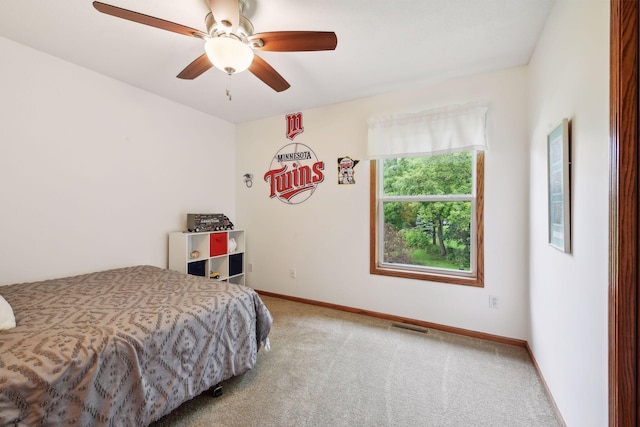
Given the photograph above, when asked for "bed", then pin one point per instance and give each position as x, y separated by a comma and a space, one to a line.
123, 347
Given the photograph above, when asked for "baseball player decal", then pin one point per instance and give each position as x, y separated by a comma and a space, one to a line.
345, 170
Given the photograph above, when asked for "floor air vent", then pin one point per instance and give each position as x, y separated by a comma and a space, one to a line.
410, 327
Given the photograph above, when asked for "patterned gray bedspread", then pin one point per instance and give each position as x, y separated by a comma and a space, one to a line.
122, 347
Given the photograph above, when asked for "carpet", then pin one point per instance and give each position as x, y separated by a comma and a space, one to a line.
332, 368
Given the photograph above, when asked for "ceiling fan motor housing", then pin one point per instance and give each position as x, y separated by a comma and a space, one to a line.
216, 29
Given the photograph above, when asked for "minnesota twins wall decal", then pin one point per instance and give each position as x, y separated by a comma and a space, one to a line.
294, 174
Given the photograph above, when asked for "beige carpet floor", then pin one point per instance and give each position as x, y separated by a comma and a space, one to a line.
330, 368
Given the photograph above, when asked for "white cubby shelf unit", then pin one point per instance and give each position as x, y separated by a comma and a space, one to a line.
209, 254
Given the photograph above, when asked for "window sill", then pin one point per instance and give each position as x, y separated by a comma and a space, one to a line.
442, 278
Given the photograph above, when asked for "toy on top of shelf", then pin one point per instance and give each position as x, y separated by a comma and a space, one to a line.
208, 222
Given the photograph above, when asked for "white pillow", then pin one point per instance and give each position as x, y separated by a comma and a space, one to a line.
7, 319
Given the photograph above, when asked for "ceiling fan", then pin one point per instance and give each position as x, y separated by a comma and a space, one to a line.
230, 42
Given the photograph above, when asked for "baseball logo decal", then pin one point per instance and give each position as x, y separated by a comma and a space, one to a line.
294, 125
294, 174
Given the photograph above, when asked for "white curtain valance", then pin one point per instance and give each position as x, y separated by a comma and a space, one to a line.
438, 131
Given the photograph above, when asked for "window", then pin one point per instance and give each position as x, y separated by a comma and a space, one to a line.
426, 217
427, 192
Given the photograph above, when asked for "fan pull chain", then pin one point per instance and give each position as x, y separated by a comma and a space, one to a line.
228, 84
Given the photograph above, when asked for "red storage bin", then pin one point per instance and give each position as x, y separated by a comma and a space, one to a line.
218, 244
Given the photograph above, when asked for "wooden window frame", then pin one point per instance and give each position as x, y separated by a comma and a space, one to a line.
476, 279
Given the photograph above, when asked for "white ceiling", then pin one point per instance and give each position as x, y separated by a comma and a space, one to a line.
382, 46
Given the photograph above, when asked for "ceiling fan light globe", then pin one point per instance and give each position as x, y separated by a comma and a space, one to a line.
228, 54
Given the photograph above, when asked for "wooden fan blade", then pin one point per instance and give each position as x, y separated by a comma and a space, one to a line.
147, 20
265, 72
295, 41
226, 12
197, 67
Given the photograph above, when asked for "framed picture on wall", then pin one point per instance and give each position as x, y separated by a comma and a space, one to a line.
559, 188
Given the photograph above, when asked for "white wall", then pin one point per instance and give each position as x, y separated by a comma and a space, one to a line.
94, 173
326, 238
569, 75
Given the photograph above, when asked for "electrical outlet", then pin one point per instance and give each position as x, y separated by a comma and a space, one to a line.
292, 273
493, 301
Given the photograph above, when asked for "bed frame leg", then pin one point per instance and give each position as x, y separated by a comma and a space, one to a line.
217, 390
